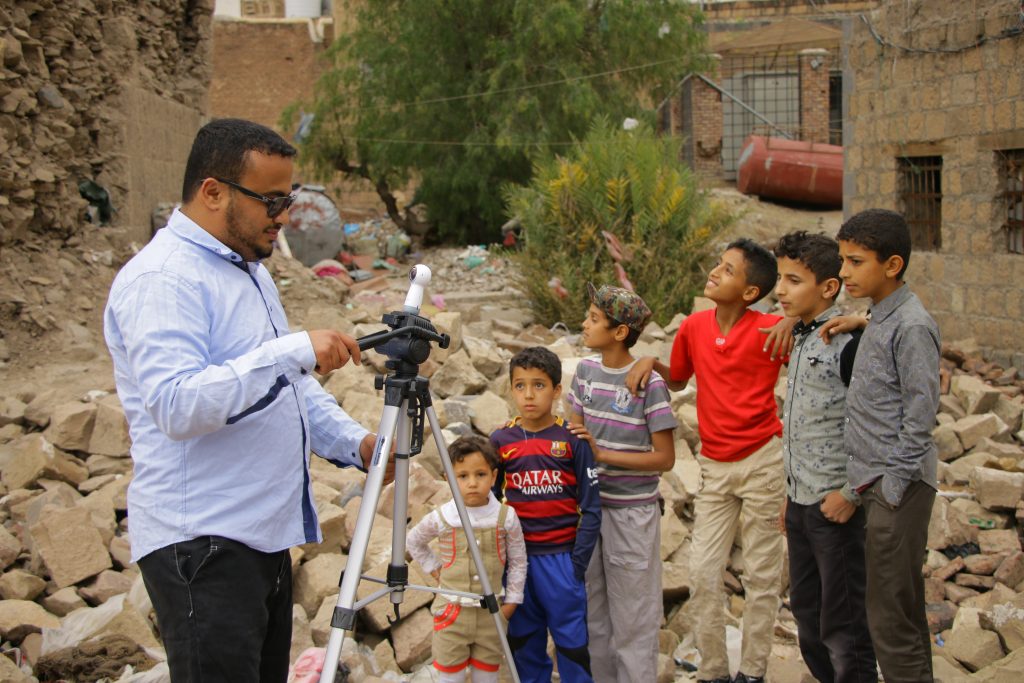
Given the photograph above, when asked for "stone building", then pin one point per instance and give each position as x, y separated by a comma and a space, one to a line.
935, 130
109, 92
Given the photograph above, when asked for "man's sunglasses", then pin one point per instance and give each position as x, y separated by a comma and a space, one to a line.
275, 205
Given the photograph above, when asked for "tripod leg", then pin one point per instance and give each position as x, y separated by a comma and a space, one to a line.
467, 526
344, 618
398, 570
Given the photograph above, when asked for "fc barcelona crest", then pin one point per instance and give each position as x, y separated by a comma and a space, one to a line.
559, 449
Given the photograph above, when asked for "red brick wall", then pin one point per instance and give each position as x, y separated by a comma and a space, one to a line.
260, 67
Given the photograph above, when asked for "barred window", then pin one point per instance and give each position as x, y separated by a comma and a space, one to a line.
920, 194
1012, 174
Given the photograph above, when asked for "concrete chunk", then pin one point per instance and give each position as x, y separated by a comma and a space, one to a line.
997, 490
70, 546
71, 425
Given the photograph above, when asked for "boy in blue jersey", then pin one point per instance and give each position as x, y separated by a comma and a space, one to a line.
548, 477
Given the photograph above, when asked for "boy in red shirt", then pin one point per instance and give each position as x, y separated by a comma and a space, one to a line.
740, 456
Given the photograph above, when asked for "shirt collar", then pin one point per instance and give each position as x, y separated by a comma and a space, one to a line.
884, 308
802, 328
187, 229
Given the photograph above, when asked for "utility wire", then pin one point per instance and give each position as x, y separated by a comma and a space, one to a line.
518, 88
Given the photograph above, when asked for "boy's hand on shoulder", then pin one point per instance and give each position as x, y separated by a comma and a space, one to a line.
836, 508
780, 337
841, 324
579, 429
508, 609
639, 374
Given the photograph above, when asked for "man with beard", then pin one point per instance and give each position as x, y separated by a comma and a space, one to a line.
223, 411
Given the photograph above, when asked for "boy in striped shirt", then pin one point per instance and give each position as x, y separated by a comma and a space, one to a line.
631, 437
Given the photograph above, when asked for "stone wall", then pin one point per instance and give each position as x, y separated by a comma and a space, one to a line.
104, 90
761, 10
965, 106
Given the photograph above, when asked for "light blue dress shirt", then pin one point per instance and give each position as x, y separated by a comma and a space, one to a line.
221, 406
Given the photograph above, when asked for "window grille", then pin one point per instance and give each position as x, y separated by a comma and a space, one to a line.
1012, 172
920, 193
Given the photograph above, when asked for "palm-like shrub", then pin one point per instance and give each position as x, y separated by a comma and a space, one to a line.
618, 207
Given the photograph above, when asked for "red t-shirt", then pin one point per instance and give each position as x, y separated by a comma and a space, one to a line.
736, 411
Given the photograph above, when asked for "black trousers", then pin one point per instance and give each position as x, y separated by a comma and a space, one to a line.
826, 591
895, 552
223, 609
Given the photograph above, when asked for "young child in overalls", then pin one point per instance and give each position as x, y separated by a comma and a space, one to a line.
464, 632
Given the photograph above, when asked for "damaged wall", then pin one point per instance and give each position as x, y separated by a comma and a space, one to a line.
931, 97
105, 90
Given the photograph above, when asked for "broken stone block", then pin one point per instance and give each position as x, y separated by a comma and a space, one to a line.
450, 323
958, 472
998, 541
63, 602
34, 458
10, 548
19, 584
675, 580
956, 593
948, 526
974, 647
952, 567
18, 618
983, 565
1010, 411
979, 583
39, 409
947, 443
302, 635
997, 490
940, 616
110, 429
973, 428
71, 425
934, 590
333, 527
105, 586
70, 546
384, 656
1001, 450
975, 396
1007, 620
950, 405
673, 533
985, 601
458, 376
488, 358
979, 517
1010, 572
320, 625
422, 487
130, 624
412, 636
489, 411
316, 579
12, 411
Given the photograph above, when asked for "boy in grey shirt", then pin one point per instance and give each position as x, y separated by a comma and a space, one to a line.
890, 413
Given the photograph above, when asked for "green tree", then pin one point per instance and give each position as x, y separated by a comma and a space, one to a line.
461, 95
617, 208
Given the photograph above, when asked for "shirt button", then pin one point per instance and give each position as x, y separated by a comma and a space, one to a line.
475, 577
851, 457
302, 370
847, 419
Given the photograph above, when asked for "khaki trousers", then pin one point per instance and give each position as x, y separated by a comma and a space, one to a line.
747, 494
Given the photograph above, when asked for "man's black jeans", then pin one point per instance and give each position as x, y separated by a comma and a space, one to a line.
223, 609
827, 581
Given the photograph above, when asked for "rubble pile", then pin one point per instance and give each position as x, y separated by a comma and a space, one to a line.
62, 66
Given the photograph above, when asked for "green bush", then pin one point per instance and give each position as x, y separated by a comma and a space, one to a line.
631, 185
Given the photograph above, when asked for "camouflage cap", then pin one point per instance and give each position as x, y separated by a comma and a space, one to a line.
621, 304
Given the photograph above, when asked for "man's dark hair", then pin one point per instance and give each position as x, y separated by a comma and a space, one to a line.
540, 358
762, 270
221, 148
819, 253
469, 444
631, 338
882, 231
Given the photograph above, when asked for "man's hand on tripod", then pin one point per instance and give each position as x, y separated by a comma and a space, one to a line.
366, 448
333, 349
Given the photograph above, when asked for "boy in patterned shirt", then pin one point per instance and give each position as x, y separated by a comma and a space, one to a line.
547, 475
823, 518
632, 439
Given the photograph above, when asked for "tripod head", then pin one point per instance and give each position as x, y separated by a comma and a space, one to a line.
407, 343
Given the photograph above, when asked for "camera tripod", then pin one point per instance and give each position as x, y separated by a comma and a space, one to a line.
406, 403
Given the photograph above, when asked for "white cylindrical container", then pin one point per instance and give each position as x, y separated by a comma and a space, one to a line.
228, 8
302, 8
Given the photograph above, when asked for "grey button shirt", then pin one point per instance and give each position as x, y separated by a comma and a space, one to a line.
812, 420
893, 398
